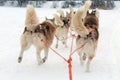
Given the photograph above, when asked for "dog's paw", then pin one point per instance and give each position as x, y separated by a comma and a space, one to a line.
56, 46
44, 59
81, 63
88, 71
84, 56
40, 62
19, 59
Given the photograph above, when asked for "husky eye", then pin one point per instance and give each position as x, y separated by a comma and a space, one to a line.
68, 20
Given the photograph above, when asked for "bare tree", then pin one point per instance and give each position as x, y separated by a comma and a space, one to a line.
104, 4
110, 4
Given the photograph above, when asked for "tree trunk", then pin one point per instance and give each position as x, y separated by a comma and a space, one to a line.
103, 4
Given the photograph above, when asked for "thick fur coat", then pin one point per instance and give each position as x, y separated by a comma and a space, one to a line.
91, 40
85, 25
62, 27
38, 34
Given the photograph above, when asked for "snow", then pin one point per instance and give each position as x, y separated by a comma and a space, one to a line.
105, 65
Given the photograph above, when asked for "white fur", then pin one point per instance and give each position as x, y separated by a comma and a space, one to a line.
31, 17
58, 21
61, 30
88, 49
28, 38
62, 35
61, 12
77, 23
86, 7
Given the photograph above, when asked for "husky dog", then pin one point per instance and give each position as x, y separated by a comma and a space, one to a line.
88, 51
86, 26
62, 27
38, 34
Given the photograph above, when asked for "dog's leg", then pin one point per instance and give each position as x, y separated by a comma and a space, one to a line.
45, 54
39, 60
90, 57
20, 55
65, 43
56, 46
24, 46
80, 57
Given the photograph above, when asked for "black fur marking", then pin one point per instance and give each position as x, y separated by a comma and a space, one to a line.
78, 36
65, 20
44, 59
37, 29
94, 35
19, 59
27, 30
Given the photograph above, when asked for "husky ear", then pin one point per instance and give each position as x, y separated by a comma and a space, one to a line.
93, 12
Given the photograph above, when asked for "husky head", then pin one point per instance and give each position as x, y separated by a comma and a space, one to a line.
63, 18
91, 19
66, 21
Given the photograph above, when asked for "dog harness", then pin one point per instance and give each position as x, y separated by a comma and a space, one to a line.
92, 35
35, 31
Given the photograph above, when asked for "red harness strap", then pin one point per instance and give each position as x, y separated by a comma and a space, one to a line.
70, 60
70, 56
70, 68
54, 50
58, 54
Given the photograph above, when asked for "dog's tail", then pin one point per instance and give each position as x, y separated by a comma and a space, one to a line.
86, 6
58, 21
61, 12
77, 23
31, 17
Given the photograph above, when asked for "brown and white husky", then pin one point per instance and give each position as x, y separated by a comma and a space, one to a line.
62, 27
87, 29
34, 34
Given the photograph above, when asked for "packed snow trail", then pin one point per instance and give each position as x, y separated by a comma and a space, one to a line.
105, 65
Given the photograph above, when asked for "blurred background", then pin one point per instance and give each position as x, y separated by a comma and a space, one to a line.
102, 4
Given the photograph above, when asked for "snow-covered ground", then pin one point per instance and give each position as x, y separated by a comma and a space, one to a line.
105, 66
